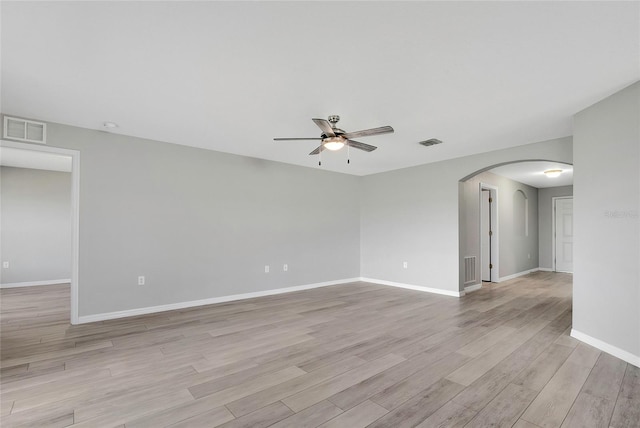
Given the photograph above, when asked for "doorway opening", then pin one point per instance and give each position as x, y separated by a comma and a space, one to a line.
520, 210
31, 154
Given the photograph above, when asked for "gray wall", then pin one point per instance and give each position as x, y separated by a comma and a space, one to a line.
35, 214
606, 289
545, 222
412, 215
517, 252
201, 224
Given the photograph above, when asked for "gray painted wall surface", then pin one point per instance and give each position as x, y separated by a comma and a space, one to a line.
545, 221
412, 215
517, 252
606, 290
35, 214
201, 224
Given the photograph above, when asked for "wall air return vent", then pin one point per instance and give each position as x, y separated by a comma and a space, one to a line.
469, 269
25, 130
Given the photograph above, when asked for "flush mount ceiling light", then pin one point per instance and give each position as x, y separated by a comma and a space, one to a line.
110, 125
553, 173
333, 143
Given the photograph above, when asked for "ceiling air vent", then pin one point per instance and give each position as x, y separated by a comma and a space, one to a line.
430, 142
25, 130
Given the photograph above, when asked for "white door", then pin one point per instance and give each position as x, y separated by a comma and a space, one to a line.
564, 234
488, 247
485, 252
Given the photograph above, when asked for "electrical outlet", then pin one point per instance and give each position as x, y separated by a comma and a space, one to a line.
405, 265
5, 265
141, 280
266, 268
285, 267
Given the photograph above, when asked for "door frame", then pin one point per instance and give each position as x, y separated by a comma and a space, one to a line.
554, 199
494, 274
75, 211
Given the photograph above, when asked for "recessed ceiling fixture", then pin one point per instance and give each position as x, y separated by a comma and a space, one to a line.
110, 125
430, 142
553, 173
334, 138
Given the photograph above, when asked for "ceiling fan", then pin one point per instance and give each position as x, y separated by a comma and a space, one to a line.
334, 138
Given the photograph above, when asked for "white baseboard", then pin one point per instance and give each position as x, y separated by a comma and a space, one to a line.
609, 349
413, 287
516, 275
545, 269
190, 304
35, 283
472, 288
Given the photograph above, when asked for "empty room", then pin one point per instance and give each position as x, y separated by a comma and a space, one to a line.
320, 214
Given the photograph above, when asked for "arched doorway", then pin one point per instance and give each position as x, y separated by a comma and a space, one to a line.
514, 236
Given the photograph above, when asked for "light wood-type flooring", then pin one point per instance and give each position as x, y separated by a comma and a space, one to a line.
351, 355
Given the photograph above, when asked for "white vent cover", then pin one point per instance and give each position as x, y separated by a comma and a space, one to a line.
25, 130
469, 269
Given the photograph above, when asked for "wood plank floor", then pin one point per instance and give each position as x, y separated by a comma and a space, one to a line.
350, 356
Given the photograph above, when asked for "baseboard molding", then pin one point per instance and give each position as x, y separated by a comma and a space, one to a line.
472, 288
609, 349
413, 287
516, 275
35, 283
210, 301
545, 269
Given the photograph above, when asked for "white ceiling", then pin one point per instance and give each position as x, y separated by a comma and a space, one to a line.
230, 76
532, 173
10, 156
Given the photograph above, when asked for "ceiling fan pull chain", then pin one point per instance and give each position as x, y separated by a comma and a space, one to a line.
348, 154
320, 157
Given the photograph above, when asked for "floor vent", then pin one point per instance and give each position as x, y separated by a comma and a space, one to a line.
469, 269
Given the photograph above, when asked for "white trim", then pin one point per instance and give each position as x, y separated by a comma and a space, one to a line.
222, 299
414, 287
472, 288
609, 349
75, 236
526, 214
210, 301
35, 283
545, 269
516, 275
75, 212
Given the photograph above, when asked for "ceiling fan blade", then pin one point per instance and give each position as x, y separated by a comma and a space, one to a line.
368, 132
361, 146
317, 150
325, 126
292, 139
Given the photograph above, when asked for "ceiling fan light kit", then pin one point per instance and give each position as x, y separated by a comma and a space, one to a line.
333, 138
333, 143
